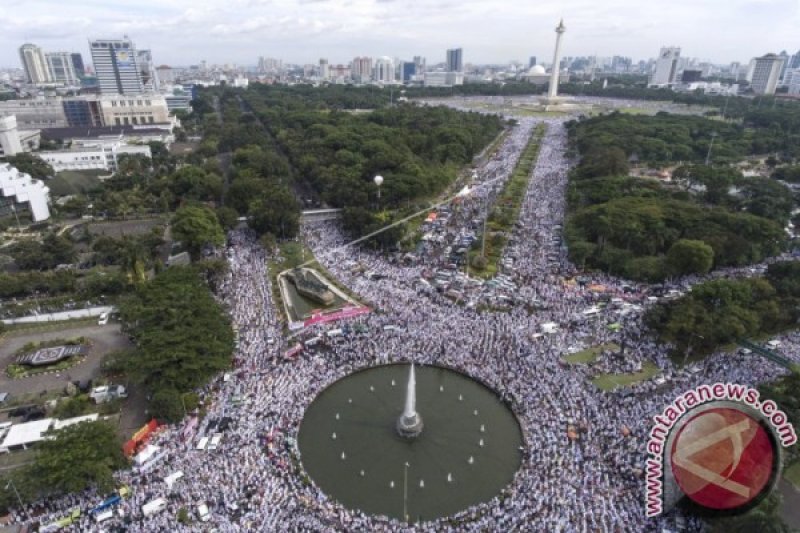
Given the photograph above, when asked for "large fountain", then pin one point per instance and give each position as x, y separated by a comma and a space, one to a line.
363, 443
409, 424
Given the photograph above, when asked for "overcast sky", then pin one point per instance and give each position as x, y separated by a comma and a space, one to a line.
184, 32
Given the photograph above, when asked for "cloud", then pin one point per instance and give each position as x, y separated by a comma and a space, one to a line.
186, 31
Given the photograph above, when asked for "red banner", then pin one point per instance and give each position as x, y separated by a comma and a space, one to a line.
347, 312
139, 437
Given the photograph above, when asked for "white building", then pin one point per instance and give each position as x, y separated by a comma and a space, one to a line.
101, 154
791, 78
34, 63
21, 436
61, 69
10, 142
443, 79
118, 110
116, 66
383, 71
766, 73
667, 67
20, 191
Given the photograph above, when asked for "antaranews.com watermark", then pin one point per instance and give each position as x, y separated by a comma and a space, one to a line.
707, 431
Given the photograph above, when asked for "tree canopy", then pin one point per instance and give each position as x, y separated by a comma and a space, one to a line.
182, 335
197, 226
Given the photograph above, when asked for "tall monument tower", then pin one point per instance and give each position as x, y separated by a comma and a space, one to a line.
552, 92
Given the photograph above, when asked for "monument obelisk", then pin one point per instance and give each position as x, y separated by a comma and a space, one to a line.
552, 91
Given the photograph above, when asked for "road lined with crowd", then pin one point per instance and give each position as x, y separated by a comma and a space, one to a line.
584, 448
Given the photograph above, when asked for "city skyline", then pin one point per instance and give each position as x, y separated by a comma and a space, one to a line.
301, 31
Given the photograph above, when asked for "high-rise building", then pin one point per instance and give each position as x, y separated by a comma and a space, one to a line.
791, 79
34, 63
115, 65
766, 73
324, 69
144, 60
794, 61
532, 62
419, 63
667, 67
361, 69
61, 69
455, 60
409, 71
383, 71
77, 64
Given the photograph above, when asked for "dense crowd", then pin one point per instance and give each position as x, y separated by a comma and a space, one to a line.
584, 448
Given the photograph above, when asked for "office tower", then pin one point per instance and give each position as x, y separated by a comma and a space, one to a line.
165, 74
34, 63
324, 69
667, 66
455, 60
77, 65
766, 73
361, 69
794, 61
115, 66
144, 60
409, 71
532, 62
60, 68
383, 72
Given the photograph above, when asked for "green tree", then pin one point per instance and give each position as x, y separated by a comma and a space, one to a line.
688, 256
275, 211
183, 336
228, 217
80, 456
166, 405
31, 164
197, 227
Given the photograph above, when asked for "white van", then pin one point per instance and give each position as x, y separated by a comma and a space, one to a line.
172, 478
214, 444
334, 333
153, 507
313, 341
203, 513
202, 444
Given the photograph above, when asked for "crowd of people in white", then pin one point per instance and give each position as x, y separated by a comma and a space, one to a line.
589, 480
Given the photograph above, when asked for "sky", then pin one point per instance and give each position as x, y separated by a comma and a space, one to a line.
184, 32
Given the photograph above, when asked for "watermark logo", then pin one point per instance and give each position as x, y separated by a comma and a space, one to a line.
723, 458
717, 445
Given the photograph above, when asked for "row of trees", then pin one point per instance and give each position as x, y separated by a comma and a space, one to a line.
720, 312
708, 216
297, 142
182, 337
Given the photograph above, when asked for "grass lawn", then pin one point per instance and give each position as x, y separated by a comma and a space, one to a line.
611, 381
590, 354
74, 182
792, 474
505, 212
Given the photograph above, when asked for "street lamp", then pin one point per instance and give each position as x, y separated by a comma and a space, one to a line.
21, 506
378, 181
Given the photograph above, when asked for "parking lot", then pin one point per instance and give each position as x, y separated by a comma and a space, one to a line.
104, 339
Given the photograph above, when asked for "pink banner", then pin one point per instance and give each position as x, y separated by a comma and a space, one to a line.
347, 312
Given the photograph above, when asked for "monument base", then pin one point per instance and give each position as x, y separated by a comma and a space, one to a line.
409, 427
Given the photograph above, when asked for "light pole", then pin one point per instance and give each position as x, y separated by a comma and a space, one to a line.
405, 491
710, 146
21, 506
378, 182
